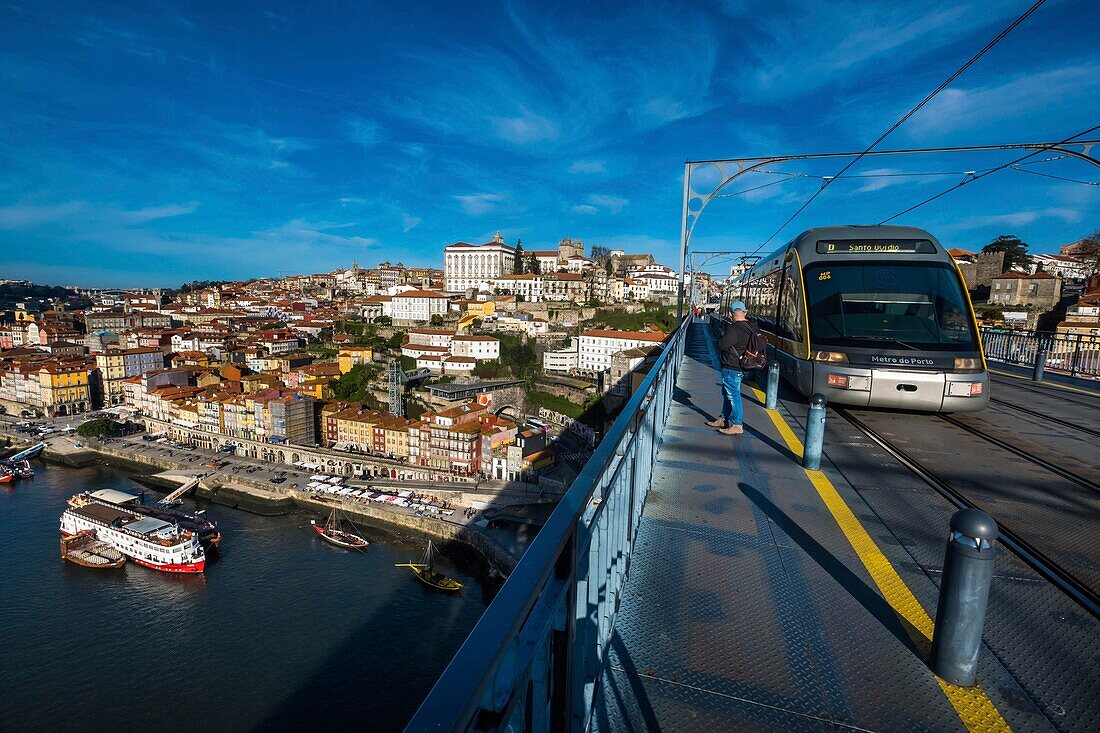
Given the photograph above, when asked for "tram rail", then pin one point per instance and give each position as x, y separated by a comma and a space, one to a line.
1044, 416
1026, 455
1060, 577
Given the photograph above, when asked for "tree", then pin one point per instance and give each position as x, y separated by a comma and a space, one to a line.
533, 265
1015, 251
517, 263
355, 386
1088, 249
99, 428
396, 340
437, 319
599, 252
383, 321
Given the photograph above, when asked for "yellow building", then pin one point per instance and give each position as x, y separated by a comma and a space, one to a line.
354, 355
474, 309
66, 388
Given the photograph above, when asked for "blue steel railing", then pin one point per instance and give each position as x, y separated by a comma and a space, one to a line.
1077, 354
533, 660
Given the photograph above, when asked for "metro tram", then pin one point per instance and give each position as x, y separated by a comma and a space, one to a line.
874, 316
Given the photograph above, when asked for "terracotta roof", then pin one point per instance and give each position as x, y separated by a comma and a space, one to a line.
653, 336
421, 294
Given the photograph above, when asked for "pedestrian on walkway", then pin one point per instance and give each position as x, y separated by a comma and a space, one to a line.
730, 348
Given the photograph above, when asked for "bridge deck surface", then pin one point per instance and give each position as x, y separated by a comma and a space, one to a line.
760, 600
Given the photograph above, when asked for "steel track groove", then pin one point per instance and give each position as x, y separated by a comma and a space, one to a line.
1031, 458
1048, 418
1060, 578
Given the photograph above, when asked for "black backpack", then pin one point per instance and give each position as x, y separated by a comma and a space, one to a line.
755, 355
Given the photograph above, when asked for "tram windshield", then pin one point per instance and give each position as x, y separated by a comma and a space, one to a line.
889, 305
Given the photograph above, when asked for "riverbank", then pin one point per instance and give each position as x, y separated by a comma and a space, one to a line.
233, 490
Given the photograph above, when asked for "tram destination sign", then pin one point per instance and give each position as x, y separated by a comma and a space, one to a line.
877, 246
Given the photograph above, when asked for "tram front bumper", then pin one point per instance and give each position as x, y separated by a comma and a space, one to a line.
902, 390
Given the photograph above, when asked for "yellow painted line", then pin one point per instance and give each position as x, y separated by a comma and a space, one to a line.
973, 706
1055, 385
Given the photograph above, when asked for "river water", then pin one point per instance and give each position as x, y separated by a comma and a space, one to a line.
282, 632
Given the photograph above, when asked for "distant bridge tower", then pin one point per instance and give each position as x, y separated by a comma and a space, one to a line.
397, 397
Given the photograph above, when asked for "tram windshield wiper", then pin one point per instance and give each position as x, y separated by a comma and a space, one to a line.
883, 339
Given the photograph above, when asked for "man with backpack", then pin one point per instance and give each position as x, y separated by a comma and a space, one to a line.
741, 348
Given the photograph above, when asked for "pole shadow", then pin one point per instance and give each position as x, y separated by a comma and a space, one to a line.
866, 596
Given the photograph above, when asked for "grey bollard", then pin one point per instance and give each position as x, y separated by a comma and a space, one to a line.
815, 432
1039, 366
964, 595
771, 394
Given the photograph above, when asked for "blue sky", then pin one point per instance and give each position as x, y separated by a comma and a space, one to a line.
159, 142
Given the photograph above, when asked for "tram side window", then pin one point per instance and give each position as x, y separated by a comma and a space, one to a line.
760, 299
790, 309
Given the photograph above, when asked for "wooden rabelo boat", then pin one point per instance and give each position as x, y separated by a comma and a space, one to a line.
427, 574
85, 550
330, 532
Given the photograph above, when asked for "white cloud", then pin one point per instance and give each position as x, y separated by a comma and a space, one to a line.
299, 232
479, 204
19, 216
1043, 92
525, 128
614, 204
140, 216
805, 44
588, 166
367, 133
585, 209
1016, 218
409, 222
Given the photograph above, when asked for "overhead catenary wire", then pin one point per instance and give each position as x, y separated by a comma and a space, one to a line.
970, 179
904, 118
1057, 178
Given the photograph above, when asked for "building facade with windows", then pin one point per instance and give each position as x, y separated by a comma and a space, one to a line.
467, 266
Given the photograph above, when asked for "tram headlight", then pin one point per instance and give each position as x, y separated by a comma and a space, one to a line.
968, 364
831, 357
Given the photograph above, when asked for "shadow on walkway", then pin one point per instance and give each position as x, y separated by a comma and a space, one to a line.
867, 597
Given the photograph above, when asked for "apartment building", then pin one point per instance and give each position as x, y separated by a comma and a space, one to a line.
528, 287
418, 305
596, 346
117, 365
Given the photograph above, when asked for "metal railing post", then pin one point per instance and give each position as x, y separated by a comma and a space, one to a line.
1040, 364
815, 432
772, 394
964, 596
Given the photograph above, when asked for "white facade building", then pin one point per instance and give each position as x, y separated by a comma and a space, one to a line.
529, 287
482, 348
467, 266
597, 345
418, 305
431, 337
562, 360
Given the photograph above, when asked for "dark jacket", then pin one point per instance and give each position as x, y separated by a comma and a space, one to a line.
733, 343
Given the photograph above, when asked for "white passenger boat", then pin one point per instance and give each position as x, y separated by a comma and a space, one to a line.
145, 540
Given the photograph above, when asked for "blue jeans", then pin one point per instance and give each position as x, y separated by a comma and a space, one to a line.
732, 411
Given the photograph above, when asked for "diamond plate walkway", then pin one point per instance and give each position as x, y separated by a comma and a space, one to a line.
749, 608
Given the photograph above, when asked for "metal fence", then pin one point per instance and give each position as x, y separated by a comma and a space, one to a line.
533, 660
1077, 355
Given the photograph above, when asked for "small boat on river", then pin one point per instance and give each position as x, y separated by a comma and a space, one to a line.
330, 532
426, 573
85, 550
